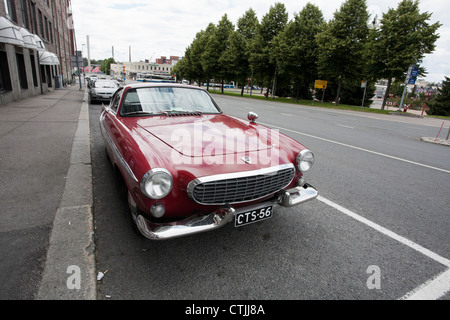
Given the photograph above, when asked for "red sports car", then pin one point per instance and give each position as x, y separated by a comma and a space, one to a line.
186, 167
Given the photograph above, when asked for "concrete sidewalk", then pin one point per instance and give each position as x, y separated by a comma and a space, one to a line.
69, 273
46, 229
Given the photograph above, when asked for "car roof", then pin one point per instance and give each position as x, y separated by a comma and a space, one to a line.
156, 85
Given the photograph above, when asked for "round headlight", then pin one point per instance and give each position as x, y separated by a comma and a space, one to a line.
305, 160
157, 183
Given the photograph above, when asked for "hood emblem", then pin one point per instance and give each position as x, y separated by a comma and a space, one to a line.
247, 160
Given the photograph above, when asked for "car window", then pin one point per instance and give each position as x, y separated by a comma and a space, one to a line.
159, 100
106, 84
116, 100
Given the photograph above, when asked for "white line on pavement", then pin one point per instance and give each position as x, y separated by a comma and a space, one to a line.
387, 232
431, 290
343, 126
357, 148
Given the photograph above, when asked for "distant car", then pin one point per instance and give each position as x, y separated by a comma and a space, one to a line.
91, 80
102, 90
185, 167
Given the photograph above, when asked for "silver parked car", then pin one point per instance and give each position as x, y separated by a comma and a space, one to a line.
102, 90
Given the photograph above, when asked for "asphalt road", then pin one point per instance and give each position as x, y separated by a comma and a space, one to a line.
379, 229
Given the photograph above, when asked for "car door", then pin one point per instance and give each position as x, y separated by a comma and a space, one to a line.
109, 126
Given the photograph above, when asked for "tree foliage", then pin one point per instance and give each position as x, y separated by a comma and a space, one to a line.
263, 52
288, 55
402, 39
440, 105
106, 65
297, 50
342, 44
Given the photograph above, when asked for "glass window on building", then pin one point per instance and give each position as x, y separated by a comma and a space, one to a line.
10, 10
33, 17
23, 9
22, 71
40, 24
46, 36
5, 78
33, 70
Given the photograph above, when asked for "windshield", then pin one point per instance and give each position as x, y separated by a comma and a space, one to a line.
105, 84
160, 100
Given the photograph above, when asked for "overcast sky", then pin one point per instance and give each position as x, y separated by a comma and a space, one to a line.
166, 27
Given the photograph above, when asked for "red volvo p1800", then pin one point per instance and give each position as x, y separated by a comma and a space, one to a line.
188, 168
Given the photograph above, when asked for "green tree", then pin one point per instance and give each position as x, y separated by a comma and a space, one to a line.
262, 53
343, 42
440, 105
403, 38
183, 68
106, 65
197, 51
213, 62
236, 59
240, 46
297, 49
193, 67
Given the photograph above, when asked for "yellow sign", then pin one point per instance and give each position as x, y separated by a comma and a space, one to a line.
320, 84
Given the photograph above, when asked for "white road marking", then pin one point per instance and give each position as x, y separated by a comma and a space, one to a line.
287, 114
341, 125
358, 148
431, 290
387, 232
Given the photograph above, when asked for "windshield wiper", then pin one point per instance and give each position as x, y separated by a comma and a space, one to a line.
133, 113
182, 112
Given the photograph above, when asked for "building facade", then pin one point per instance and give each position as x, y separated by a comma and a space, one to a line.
36, 46
172, 60
162, 66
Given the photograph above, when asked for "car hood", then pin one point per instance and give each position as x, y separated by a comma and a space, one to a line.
212, 135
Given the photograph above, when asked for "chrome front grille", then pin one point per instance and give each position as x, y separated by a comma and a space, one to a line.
242, 186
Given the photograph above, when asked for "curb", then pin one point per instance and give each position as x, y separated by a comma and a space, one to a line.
405, 114
69, 272
438, 141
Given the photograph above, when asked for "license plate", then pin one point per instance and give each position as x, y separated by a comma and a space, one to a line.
253, 215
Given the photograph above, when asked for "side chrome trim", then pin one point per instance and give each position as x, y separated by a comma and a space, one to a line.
122, 161
242, 174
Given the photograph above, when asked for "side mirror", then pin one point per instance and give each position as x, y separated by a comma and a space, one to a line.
252, 117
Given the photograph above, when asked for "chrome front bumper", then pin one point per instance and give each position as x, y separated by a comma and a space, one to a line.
217, 219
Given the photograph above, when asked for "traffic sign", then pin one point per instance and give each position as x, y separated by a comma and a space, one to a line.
320, 84
413, 72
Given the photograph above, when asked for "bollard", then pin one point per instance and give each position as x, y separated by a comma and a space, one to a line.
439, 131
